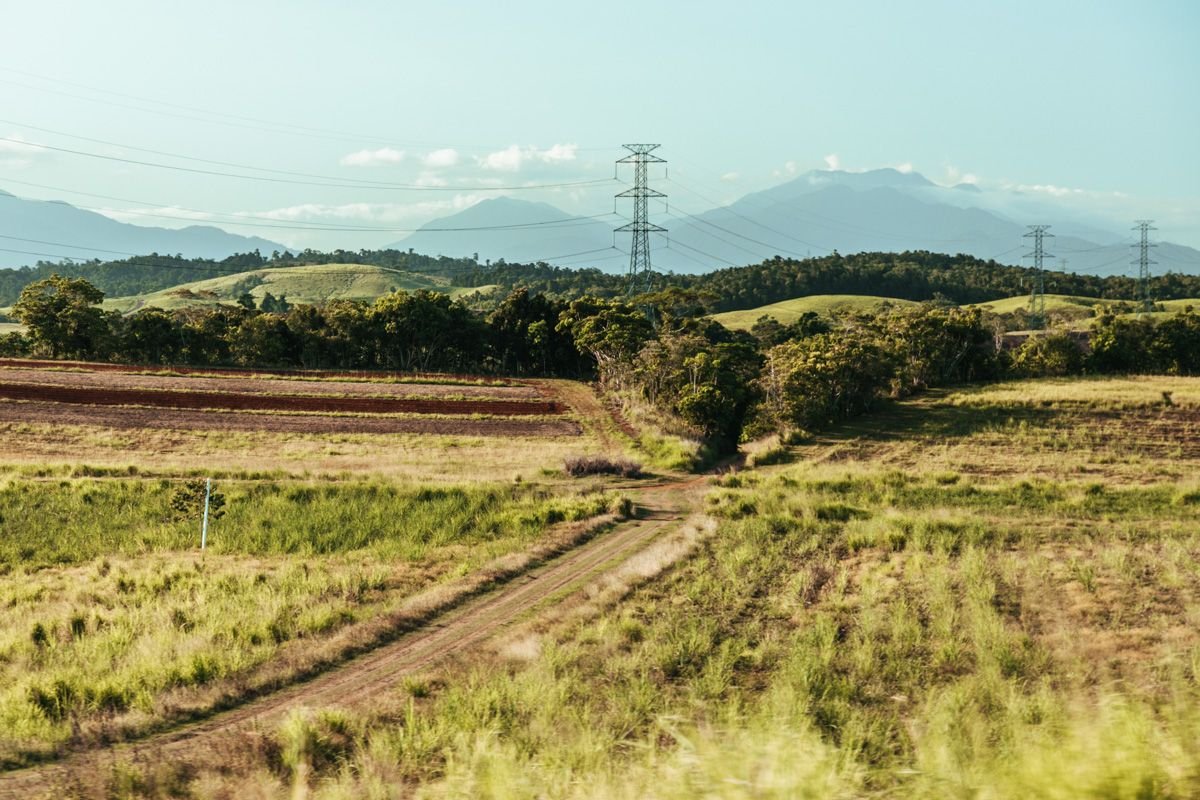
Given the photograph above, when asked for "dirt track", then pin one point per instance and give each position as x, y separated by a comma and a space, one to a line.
183, 419
357, 683
273, 386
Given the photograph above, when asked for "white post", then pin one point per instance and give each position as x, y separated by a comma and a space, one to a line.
204, 524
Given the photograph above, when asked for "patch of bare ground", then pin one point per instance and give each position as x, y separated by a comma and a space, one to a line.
241, 401
184, 419
1112, 614
260, 385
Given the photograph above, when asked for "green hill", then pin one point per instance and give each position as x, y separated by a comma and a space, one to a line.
788, 311
1054, 302
310, 285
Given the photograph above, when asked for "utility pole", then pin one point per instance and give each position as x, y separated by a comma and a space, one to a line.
1037, 298
1143, 262
640, 155
204, 524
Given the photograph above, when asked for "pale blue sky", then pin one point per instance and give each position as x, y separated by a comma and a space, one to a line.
1099, 97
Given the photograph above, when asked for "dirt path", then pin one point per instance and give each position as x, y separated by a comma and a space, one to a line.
357, 683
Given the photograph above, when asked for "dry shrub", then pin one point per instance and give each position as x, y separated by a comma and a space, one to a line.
578, 466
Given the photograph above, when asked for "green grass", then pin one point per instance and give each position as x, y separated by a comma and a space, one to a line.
311, 285
851, 629
1054, 302
110, 610
789, 311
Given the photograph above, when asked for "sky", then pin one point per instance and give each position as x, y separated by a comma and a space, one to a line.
404, 112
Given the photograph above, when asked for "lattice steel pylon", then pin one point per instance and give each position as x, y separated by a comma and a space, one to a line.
640, 155
1037, 297
1143, 262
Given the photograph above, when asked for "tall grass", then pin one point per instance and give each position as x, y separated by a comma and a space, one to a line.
864, 634
110, 608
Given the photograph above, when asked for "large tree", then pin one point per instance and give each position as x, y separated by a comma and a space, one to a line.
63, 315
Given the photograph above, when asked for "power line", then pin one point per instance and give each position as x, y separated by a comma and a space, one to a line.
290, 181
235, 219
270, 126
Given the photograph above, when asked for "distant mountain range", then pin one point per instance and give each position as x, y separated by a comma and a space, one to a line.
44, 230
811, 215
880, 210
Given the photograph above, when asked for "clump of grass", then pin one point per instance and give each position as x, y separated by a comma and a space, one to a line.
579, 466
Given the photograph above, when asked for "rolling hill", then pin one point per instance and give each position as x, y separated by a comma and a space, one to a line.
50, 230
789, 311
310, 285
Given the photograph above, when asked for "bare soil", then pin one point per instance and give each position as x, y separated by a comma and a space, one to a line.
183, 419
241, 401
251, 385
348, 375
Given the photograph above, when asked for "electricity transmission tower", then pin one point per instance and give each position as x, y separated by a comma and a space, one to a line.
640, 155
1037, 298
1143, 262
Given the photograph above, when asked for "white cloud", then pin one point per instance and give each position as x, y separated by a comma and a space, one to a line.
373, 158
439, 159
955, 176
789, 169
17, 152
906, 167
429, 178
514, 157
730, 177
832, 161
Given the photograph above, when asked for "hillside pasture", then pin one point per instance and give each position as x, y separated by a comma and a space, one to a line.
314, 284
788, 311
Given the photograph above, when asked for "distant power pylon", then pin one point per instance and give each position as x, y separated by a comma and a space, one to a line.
640, 156
1143, 262
1037, 298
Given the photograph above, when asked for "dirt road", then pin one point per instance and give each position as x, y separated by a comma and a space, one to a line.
362, 679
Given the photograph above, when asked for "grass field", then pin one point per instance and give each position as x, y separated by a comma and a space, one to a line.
900, 613
789, 311
311, 285
1076, 312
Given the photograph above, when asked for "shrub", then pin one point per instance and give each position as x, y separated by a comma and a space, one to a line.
579, 466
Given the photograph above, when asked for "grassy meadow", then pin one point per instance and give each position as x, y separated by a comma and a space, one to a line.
114, 621
904, 610
314, 284
788, 311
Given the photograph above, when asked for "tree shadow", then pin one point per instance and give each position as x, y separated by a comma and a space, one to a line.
929, 419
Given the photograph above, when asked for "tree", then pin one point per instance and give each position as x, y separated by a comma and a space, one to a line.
63, 315
1052, 355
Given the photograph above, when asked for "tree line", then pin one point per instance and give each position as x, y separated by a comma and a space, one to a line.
662, 348
914, 275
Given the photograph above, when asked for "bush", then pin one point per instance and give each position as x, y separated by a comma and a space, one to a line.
579, 466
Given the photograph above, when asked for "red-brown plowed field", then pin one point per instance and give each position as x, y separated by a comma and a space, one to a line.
182, 419
262, 402
274, 386
96, 366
